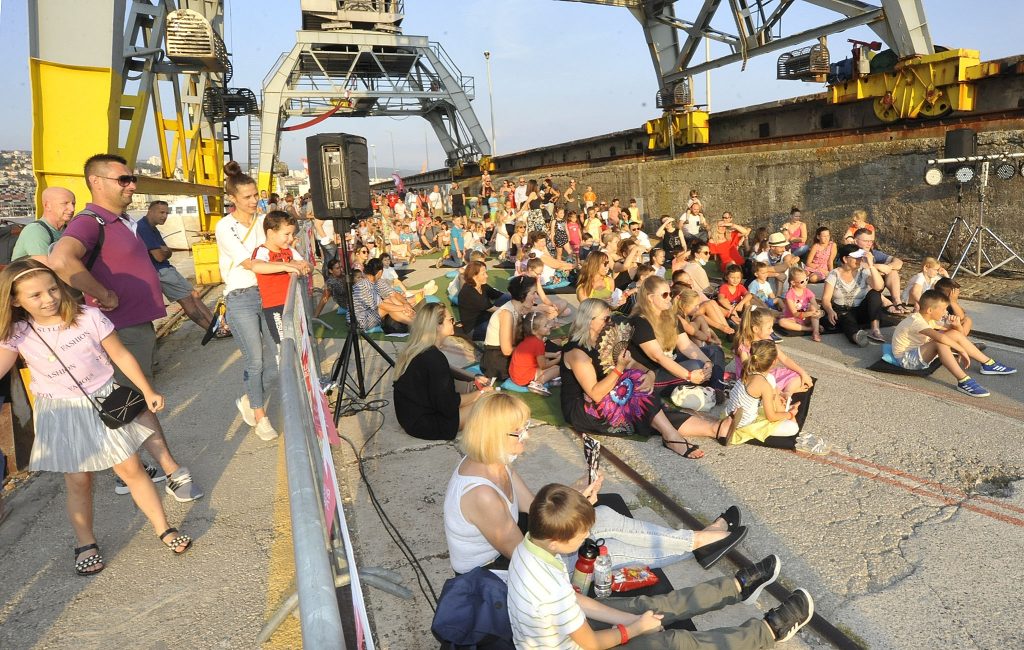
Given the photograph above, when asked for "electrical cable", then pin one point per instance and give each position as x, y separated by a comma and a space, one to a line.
354, 407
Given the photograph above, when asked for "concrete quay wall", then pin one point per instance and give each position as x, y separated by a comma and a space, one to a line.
827, 177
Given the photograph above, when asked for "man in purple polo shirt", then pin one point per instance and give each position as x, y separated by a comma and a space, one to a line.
124, 284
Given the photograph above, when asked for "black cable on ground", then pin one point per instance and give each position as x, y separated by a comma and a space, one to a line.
376, 406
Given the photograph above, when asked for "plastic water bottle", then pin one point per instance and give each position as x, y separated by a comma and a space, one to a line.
603, 574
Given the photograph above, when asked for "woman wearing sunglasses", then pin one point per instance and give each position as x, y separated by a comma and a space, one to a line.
485, 497
608, 395
660, 346
427, 405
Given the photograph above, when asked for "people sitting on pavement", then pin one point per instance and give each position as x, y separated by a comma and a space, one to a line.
708, 308
852, 298
921, 337
556, 272
658, 345
931, 272
616, 398
822, 256
545, 611
761, 412
335, 286
888, 266
733, 297
504, 327
485, 497
800, 308
691, 322
699, 280
477, 300
693, 224
671, 240
553, 306
427, 404
951, 289
377, 304
795, 231
531, 365
594, 280
761, 287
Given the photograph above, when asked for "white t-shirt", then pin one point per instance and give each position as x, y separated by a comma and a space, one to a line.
542, 605
235, 245
548, 272
520, 195
919, 279
329, 232
908, 336
849, 294
436, 202
690, 223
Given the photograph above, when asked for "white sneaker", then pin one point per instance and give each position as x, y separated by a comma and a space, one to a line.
246, 410
812, 444
265, 430
538, 388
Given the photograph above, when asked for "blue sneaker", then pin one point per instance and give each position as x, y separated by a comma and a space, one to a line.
972, 388
776, 338
996, 368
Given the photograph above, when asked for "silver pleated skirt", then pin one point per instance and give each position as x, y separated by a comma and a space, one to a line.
70, 437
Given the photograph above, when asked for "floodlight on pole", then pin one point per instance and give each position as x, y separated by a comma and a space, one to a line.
1005, 169
933, 175
490, 102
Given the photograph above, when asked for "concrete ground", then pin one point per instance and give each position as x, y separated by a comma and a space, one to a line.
908, 535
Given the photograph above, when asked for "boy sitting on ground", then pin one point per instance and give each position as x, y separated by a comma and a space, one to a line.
545, 612
920, 338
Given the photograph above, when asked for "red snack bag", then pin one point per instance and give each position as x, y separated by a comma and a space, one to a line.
630, 578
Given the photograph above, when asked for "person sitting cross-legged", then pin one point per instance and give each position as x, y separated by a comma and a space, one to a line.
545, 611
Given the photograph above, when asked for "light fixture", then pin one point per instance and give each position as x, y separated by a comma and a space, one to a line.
964, 174
1005, 169
933, 175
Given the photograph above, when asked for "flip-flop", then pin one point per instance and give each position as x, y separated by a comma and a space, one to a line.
875, 338
691, 448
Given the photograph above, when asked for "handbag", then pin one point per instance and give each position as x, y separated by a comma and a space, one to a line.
117, 409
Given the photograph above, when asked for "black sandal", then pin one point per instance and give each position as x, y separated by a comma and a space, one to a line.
690, 448
176, 542
91, 561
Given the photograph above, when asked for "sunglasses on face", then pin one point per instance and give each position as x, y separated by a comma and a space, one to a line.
124, 180
799, 281
665, 295
521, 434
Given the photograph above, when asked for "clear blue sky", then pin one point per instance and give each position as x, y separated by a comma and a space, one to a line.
561, 70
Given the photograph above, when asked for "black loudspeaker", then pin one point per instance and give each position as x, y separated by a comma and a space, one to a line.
960, 143
339, 178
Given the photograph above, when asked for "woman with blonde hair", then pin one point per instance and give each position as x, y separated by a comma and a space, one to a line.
426, 403
485, 498
657, 341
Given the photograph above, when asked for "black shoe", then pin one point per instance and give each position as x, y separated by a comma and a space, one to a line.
707, 555
787, 619
754, 578
731, 517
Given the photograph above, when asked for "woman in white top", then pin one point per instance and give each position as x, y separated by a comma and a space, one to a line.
238, 235
852, 298
503, 327
485, 496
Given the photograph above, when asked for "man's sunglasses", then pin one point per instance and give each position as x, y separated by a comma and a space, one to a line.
123, 180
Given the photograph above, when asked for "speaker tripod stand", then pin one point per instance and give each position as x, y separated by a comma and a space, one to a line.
978, 234
351, 350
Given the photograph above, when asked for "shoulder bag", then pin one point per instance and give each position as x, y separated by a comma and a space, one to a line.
117, 409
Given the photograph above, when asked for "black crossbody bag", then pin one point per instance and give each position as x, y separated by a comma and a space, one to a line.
117, 409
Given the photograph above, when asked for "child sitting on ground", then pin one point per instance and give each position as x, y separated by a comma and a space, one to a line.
554, 306
761, 286
951, 289
709, 309
546, 612
732, 295
692, 322
931, 272
273, 261
587, 246
658, 261
920, 338
801, 313
530, 365
761, 412
756, 325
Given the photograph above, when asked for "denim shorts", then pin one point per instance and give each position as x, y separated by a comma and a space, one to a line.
913, 359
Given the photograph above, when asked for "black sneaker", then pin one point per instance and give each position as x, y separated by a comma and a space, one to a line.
155, 474
787, 619
754, 578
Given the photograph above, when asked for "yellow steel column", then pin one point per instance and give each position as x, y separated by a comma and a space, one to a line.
75, 64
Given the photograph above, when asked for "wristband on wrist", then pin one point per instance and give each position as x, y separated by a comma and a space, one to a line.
623, 634
618, 373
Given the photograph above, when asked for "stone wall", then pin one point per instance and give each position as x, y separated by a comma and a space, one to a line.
828, 179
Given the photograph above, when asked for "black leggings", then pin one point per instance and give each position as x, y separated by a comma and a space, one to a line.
803, 402
854, 319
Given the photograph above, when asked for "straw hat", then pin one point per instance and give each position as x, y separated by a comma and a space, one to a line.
777, 239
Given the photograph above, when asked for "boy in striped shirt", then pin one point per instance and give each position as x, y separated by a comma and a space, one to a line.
546, 612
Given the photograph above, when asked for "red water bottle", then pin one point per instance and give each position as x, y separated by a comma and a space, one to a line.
583, 574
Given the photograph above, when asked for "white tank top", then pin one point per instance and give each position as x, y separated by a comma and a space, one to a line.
493, 335
467, 547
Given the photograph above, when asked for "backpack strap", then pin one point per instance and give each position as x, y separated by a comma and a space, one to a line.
95, 253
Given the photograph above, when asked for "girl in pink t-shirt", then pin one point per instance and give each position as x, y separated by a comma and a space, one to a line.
801, 313
68, 349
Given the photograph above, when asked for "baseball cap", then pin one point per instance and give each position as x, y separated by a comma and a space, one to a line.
857, 254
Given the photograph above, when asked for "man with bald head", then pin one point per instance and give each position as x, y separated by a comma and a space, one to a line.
37, 237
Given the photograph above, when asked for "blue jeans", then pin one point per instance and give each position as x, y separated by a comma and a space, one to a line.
245, 316
631, 541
